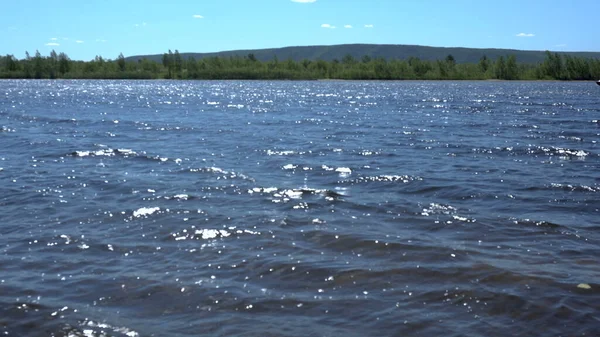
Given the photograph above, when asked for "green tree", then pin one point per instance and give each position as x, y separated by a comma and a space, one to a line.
500, 68
38, 65
512, 70
420, 68
64, 63
348, 60
177, 63
450, 60
121, 62
167, 62
552, 66
484, 64
192, 67
11, 63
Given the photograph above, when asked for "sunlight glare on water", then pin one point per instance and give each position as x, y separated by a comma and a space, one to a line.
141, 208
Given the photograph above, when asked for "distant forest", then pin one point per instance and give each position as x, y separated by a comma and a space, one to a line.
173, 66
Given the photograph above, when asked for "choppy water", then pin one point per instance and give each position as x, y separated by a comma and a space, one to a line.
299, 208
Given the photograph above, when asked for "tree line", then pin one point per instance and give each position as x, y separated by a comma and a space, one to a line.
554, 67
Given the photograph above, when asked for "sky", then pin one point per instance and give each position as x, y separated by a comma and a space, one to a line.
85, 28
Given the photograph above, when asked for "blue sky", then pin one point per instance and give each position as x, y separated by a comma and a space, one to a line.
86, 28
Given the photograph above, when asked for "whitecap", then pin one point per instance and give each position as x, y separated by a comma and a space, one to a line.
181, 196
82, 153
145, 211
212, 233
280, 153
292, 194
344, 171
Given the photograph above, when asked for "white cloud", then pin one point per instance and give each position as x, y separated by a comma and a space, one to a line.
51, 44
304, 1
347, 26
197, 16
369, 26
53, 38
78, 41
100, 40
326, 25
525, 35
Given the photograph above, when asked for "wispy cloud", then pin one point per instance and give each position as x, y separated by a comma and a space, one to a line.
78, 41
561, 45
100, 40
326, 25
197, 16
52, 44
143, 24
53, 38
347, 26
304, 1
525, 35
369, 26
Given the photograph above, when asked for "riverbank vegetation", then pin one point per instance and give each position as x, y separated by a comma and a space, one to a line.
173, 66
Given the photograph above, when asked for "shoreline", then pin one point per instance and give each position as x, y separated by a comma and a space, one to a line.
297, 80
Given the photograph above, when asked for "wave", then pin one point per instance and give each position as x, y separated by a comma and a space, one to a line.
530, 150
105, 151
220, 173
285, 195
404, 179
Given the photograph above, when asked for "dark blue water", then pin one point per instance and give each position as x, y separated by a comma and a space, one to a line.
299, 208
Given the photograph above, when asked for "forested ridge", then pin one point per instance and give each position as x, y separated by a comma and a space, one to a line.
173, 66
386, 51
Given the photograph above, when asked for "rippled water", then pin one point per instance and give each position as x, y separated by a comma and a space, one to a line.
299, 208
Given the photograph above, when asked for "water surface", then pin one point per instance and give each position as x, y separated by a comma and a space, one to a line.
241, 208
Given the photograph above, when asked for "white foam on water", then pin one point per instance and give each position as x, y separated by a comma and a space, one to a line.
216, 169
181, 196
388, 178
438, 209
344, 171
82, 153
292, 194
212, 233
103, 326
238, 106
126, 151
262, 190
289, 167
145, 211
280, 153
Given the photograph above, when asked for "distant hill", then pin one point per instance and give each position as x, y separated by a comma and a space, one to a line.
387, 51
